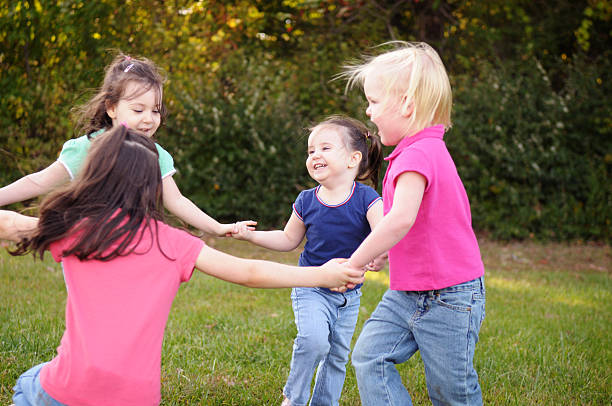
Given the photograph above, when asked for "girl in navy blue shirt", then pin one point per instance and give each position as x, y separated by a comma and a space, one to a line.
335, 217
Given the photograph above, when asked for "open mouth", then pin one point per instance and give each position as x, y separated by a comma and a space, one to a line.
318, 166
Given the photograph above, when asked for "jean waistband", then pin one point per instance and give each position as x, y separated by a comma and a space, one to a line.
477, 283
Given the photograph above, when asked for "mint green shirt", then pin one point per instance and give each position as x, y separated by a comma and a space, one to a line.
75, 150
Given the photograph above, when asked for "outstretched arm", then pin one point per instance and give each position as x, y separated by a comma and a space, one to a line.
187, 211
13, 225
265, 274
279, 240
374, 216
35, 184
407, 198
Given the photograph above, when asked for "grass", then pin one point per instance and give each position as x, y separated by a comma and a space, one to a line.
546, 339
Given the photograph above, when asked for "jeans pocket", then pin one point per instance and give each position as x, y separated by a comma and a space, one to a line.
459, 301
478, 302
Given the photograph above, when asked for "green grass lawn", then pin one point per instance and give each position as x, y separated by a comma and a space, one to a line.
546, 339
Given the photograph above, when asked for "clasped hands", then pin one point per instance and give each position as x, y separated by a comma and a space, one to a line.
375, 265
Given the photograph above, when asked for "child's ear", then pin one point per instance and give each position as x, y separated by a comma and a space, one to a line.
407, 107
111, 110
355, 159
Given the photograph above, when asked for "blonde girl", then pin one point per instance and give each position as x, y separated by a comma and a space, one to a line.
334, 217
132, 94
123, 266
436, 300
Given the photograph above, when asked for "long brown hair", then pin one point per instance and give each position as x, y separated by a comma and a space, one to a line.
359, 138
91, 116
114, 200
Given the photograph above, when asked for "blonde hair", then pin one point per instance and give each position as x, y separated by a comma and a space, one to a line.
412, 73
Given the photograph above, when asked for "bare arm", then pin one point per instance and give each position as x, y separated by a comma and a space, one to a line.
374, 216
187, 211
13, 225
409, 190
279, 240
35, 184
265, 274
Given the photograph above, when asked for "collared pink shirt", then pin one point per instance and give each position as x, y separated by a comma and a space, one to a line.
441, 249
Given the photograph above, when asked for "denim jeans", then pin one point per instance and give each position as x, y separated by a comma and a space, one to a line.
442, 324
325, 325
29, 392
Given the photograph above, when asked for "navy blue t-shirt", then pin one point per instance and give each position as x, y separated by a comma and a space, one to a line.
334, 231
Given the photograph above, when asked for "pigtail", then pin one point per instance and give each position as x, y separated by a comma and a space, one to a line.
373, 161
358, 138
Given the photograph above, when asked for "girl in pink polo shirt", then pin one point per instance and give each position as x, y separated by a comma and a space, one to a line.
123, 266
436, 300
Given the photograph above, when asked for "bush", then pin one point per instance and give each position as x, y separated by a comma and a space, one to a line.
535, 161
240, 146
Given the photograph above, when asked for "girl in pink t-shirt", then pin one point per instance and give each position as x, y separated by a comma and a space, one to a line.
436, 299
123, 266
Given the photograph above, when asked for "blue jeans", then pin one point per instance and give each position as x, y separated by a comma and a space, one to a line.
442, 324
29, 392
325, 325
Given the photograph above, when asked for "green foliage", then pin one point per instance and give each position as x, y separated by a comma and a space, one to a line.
535, 162
532, 112
240, 144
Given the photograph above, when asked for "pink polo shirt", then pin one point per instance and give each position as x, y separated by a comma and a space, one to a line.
440, 250
116, 314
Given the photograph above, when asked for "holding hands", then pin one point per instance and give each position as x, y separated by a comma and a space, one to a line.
378, 263
375, 265
340, 276
242, 229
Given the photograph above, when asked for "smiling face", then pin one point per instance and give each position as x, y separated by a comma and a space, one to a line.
329, 160
138, 110
384, 111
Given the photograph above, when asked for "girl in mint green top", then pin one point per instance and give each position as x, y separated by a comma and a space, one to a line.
75, 150
131, 95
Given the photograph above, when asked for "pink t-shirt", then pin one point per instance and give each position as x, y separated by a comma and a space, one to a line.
440, 250
116, 314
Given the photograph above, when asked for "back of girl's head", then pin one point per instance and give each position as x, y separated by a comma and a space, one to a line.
118, 190
357, 137
124, 69
121, 171
410, 73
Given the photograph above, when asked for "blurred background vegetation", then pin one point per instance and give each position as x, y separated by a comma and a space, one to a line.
532, 134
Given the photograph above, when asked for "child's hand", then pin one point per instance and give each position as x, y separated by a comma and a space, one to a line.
378, 263
241, 229
14, 226
341, 277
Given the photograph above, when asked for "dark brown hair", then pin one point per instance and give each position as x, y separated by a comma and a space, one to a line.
92, 116
115, 199
359, 138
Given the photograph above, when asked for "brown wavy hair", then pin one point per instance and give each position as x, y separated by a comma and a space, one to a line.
111, 204
91, 116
